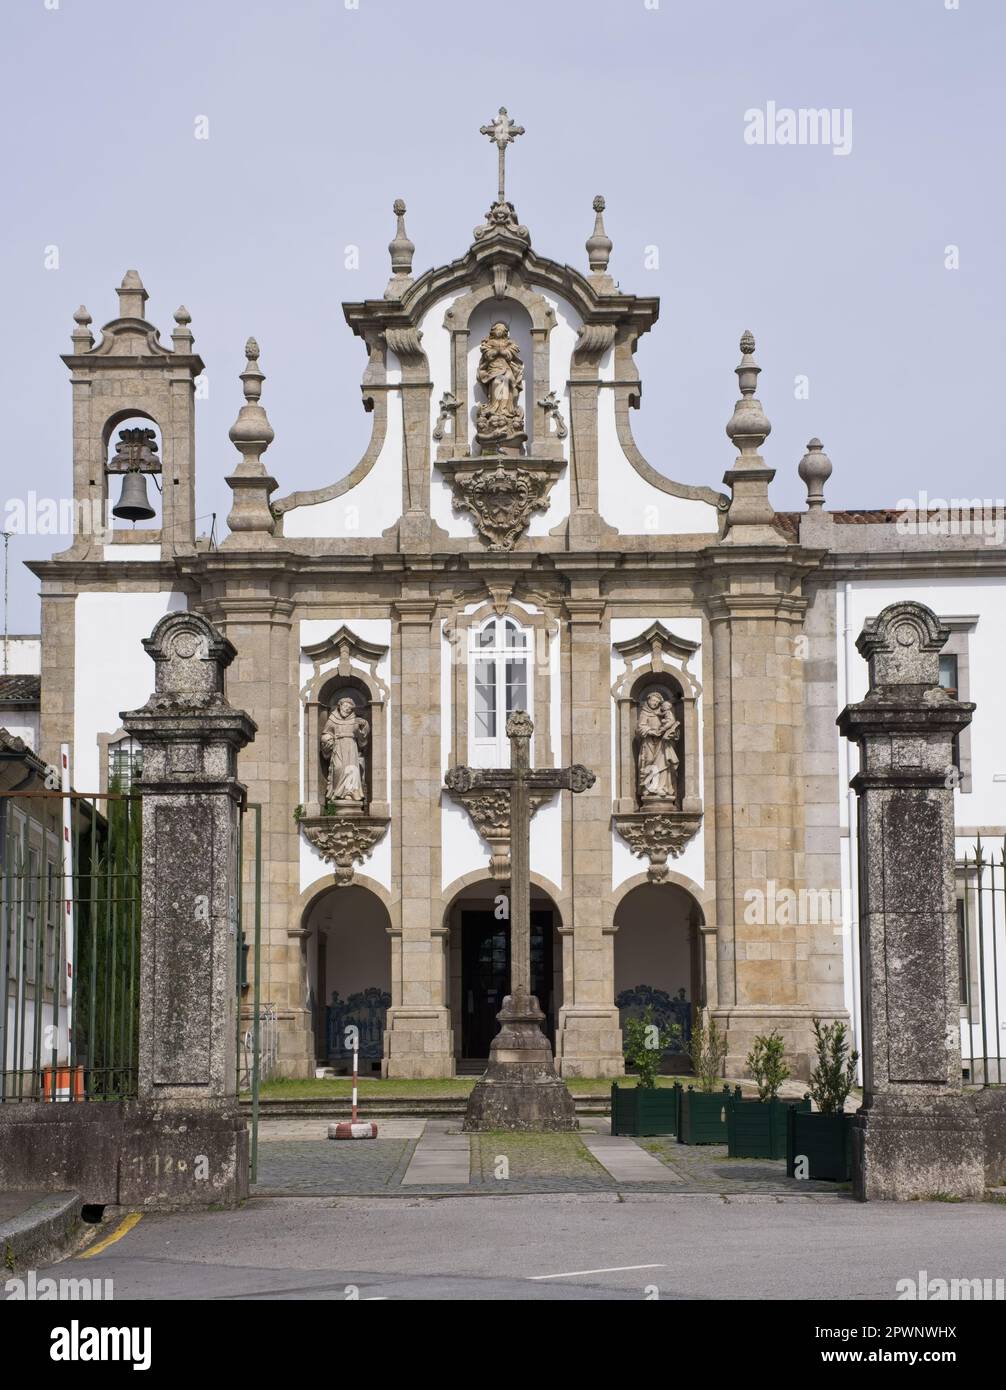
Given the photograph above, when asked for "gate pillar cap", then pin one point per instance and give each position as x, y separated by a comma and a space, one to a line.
903, 645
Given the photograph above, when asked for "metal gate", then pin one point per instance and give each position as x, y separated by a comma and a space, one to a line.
981, 948
256, 1040
70, 879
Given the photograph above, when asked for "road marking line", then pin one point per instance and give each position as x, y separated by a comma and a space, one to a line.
575, 1273
123, 1228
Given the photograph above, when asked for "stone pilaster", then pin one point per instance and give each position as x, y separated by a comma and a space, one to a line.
589, 1039
184, 1142
418, 1039
776, 968
915, 1135
257, 618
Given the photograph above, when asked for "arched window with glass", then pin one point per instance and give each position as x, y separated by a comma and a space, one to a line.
500, 654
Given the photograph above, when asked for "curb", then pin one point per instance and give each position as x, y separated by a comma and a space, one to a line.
449, 1108
40, 1233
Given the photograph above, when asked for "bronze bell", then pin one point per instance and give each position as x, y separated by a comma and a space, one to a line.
133, 504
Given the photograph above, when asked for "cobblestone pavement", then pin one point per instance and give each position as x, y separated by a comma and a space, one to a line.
289, 1163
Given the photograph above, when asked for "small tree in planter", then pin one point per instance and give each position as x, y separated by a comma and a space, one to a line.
757, 1128
819, 1145
644, 1109
767, 1064
703, 1113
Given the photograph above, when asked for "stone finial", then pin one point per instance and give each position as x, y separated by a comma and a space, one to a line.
599, 244
903, 646
181, 336
132, 296
815, 470
401, 250
749, 426
750, 516
82, 337
251, 434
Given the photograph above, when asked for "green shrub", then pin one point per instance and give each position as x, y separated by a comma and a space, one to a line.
644, 1045
835, 1074
766, 1063
708, 1050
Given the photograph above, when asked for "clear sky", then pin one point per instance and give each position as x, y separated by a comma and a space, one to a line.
320, 115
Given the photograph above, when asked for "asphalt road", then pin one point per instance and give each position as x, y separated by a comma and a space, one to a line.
576, 1246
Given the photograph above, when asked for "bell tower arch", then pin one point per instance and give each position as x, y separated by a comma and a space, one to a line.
131, 374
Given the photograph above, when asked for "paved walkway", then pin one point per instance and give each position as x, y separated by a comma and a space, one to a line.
417, 1157
439, 1157
626, 1161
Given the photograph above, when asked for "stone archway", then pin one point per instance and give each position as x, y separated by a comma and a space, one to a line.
347, 948
658, 960
478, 965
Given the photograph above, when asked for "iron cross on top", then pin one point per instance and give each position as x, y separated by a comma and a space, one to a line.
502, 132
520, 779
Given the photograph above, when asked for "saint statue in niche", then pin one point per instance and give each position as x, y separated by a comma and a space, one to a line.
343, 740
501, 373
656, 760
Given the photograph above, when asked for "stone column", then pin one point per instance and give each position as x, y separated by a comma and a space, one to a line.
184, 1142
588, 1039
418, 1039
915, 1135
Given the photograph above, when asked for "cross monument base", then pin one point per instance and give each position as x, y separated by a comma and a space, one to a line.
520, 1090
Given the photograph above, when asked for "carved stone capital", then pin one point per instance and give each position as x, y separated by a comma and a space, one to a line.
501, 493
657, 837
489, 811
344, 841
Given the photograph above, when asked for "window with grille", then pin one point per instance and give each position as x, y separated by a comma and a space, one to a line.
125, 763
500, 656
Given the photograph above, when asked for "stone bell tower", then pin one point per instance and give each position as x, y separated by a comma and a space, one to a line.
131, 373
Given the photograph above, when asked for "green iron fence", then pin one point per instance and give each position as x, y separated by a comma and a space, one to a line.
70, 881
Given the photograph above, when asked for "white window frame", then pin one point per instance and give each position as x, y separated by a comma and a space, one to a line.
494, 750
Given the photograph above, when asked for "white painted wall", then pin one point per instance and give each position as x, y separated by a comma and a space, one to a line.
625, 499
378, 631
23, 656
131, 552
112, 672
624, 863
375, 503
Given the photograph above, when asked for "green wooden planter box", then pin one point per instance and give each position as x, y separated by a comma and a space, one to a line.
702, 1115
826, 1143
637, 1110
757, 1128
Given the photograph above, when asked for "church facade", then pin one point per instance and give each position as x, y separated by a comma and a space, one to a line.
503, 545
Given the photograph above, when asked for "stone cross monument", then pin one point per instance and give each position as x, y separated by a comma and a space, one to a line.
520, 1089
916, 1134
188, 1145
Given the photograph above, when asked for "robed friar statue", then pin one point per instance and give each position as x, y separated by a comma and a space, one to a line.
656, 758
343, 740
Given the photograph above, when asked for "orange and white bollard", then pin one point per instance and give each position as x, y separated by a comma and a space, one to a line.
354, 1129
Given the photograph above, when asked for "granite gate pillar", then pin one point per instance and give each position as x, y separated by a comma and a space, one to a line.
185, 1143
916, 1135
